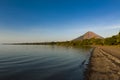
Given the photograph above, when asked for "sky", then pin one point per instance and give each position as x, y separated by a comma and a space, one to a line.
57, 20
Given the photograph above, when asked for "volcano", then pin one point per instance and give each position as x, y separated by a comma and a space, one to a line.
88, 35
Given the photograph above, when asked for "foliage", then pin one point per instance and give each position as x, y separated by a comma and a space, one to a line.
114, 40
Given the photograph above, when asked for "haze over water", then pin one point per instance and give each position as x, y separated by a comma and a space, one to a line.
42, 62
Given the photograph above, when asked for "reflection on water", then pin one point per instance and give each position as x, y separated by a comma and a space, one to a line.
19, 62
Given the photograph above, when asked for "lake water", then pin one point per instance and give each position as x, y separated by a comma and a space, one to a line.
31, 62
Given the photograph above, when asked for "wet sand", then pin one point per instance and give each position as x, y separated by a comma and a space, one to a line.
104, 63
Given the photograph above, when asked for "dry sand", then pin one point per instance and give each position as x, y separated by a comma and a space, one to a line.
105, 63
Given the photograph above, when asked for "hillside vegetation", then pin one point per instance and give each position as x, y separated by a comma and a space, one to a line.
114, 40
86, 39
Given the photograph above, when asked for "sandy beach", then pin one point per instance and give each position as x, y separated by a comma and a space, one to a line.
104, 63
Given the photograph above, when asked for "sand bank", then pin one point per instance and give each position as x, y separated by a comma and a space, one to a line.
104, 63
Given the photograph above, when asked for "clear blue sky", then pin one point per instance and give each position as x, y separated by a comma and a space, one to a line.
56, 20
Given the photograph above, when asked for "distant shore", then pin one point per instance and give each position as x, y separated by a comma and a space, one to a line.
104, 63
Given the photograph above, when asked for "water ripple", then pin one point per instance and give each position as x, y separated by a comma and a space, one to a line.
43, 64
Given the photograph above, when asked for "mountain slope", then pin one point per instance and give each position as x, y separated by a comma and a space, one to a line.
88, 35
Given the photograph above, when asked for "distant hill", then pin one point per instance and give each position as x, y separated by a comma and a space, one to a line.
88, 35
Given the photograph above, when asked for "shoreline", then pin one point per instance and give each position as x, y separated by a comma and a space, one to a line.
104, 63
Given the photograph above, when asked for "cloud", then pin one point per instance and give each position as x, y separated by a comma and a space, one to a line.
113, 27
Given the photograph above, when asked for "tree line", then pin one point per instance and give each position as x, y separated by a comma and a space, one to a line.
114, 40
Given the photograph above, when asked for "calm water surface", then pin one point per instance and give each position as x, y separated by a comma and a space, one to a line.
20, 62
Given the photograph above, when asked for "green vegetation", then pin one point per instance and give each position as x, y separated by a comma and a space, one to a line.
82, 42
114, 40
